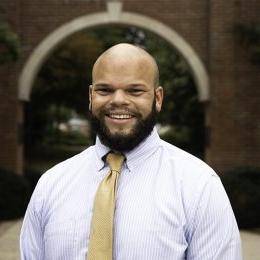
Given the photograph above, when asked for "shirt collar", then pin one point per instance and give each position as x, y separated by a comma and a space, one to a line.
133, 158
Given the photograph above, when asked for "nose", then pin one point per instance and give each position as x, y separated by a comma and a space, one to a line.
119, 97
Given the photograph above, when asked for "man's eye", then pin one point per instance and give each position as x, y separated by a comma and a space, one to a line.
135, 92
104, 91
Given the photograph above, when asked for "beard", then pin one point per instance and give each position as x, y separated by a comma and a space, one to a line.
122, 142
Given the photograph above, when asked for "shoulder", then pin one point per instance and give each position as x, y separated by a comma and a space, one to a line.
192, 176
198, 184
59, 177
67, 168
187, 163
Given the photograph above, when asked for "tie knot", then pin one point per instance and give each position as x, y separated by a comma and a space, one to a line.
115, 161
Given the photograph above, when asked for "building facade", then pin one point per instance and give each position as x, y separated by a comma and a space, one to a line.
202, 31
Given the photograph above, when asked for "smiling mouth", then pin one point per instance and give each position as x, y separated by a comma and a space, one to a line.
120, 116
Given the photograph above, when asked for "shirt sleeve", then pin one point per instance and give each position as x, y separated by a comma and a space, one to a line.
31, 237
215, 234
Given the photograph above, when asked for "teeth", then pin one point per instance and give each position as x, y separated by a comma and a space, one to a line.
116, 116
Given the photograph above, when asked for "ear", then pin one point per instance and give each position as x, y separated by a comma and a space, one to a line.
90, 97
158, 98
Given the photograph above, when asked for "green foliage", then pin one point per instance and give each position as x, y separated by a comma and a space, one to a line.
178, 135
249, 35
32, 176
181, 107
73, 138
9, 44
242, 186
15, 192
61, 88
64, 78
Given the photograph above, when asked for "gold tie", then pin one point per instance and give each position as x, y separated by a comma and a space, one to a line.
101, 233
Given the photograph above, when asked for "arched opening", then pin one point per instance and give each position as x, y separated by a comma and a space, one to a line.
43, 50
36, 65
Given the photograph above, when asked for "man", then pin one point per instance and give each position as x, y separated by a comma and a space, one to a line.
167, 205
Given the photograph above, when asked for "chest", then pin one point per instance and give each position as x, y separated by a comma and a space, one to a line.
150, 220
149, 223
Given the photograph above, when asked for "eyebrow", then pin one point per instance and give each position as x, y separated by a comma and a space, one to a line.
137, 84
101, 85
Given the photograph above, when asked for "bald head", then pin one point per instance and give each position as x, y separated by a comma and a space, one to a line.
125, 54
125, 96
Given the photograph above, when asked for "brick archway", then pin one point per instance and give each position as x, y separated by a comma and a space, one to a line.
206, 25
114, 15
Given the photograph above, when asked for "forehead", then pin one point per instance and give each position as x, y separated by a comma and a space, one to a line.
124, 67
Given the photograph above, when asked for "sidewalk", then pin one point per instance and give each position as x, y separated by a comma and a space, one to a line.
250, 245
9, 242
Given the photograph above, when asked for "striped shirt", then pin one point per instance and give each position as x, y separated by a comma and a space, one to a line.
169, 205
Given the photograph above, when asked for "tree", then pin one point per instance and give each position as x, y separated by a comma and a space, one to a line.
9, 44
62, 83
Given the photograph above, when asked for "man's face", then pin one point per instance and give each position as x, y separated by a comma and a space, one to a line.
124, 101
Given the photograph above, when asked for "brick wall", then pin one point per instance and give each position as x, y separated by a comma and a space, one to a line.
235, 95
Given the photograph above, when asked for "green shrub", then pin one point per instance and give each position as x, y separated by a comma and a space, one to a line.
243, 188
179, 136
14, 195
32, 176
